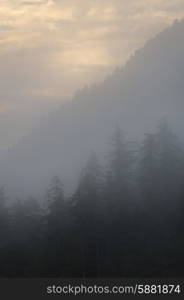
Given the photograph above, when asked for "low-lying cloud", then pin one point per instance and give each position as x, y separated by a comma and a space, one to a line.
50, 48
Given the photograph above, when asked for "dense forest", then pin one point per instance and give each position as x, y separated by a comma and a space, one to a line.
124, 218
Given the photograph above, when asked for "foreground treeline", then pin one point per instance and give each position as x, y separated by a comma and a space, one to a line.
124, 219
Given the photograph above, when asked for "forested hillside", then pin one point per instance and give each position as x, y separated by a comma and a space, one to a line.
125, 218
136, 96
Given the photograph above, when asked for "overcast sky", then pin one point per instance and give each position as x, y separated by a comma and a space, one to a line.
49, 48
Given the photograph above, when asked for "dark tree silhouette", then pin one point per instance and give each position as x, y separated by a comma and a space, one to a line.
122, 220
87, 209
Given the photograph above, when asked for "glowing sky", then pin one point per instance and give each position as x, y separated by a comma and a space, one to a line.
49, 48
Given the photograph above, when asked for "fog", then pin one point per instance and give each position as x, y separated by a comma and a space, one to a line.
136, 96
49, 49
91, 178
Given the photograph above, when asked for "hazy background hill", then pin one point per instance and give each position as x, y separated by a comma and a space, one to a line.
136, 96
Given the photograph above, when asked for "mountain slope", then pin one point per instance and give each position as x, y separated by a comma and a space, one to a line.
136, 96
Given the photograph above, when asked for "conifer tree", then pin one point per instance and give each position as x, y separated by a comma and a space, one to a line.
87, 213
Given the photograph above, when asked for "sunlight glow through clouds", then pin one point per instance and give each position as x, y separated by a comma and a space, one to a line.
50, 48
83, 32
